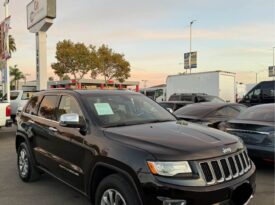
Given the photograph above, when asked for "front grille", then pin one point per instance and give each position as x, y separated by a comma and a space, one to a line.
225, 168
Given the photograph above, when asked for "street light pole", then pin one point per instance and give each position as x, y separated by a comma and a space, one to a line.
190, 54
144, 85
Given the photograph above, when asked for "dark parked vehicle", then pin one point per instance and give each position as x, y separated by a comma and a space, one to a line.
174, 105
262, 93
122, 148
256, 127
194, 97
210, 114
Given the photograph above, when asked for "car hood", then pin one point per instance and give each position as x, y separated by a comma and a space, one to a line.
179, 140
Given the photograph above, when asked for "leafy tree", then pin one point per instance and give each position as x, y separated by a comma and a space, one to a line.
12, 44
16, 75
75, 59
51, 78
66, 77
112, 65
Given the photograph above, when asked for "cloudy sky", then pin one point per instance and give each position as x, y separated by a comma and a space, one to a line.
236, 35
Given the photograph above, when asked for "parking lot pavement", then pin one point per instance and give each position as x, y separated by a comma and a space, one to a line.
49, 191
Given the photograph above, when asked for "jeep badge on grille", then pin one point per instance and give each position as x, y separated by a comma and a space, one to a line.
226, 150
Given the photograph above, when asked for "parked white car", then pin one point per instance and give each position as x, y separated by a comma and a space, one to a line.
5, 115
19, 98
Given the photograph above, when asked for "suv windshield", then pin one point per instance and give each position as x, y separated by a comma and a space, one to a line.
113, 110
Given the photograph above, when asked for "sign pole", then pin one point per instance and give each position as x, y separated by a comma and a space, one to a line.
41, 60
7, 83
40, 15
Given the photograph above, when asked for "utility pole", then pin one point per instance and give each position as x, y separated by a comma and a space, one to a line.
145, 86
273, 62
190, 54
6, 11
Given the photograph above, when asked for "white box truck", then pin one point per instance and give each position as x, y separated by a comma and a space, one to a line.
217, 83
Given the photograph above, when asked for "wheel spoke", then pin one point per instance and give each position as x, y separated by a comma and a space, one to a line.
23, 163
112, 197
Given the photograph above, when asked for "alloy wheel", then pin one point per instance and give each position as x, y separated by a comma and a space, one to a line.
23, 163
112, 197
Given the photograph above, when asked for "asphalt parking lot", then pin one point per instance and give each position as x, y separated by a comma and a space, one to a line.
49, 191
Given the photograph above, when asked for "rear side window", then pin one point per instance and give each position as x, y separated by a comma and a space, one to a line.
268, 90
48, 108
174, 98
32, 105
27, 95
186, 98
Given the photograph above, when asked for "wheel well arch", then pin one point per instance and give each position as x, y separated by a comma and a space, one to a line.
19, 139
102, 170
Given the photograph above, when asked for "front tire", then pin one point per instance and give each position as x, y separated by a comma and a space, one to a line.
27, 171
116, 190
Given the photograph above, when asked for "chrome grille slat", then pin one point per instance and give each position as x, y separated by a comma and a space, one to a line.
241, 163
237, 168
226, 168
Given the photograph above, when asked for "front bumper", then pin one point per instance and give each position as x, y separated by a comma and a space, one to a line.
155, 191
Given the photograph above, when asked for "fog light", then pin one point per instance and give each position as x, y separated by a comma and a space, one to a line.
174, 202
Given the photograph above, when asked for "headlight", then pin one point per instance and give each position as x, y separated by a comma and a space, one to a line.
169, 168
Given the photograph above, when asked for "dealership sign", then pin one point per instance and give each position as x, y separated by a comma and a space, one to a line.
193, 59
4, 35
38, 10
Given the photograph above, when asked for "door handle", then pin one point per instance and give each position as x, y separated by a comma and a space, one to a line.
53, 129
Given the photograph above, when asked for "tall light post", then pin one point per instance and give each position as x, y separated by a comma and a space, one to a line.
145, 86
273, 60
190, 54
273, 55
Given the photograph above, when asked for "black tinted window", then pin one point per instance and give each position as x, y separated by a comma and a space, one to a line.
48, 108
186, 98
259, 113
174, 98
68, 105
268, 90
32, 105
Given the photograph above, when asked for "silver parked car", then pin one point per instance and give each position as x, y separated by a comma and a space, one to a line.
19, 98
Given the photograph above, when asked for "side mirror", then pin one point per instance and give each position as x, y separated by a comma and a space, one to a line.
70, 120
169, 109
20, 109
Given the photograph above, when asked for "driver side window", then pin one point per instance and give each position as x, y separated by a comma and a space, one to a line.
69, 105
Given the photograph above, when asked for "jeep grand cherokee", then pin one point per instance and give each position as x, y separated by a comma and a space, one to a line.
121, 148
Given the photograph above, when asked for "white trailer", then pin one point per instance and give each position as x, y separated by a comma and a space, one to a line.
217, 83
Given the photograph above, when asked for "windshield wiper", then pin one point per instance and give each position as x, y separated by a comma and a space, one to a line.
156, 121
